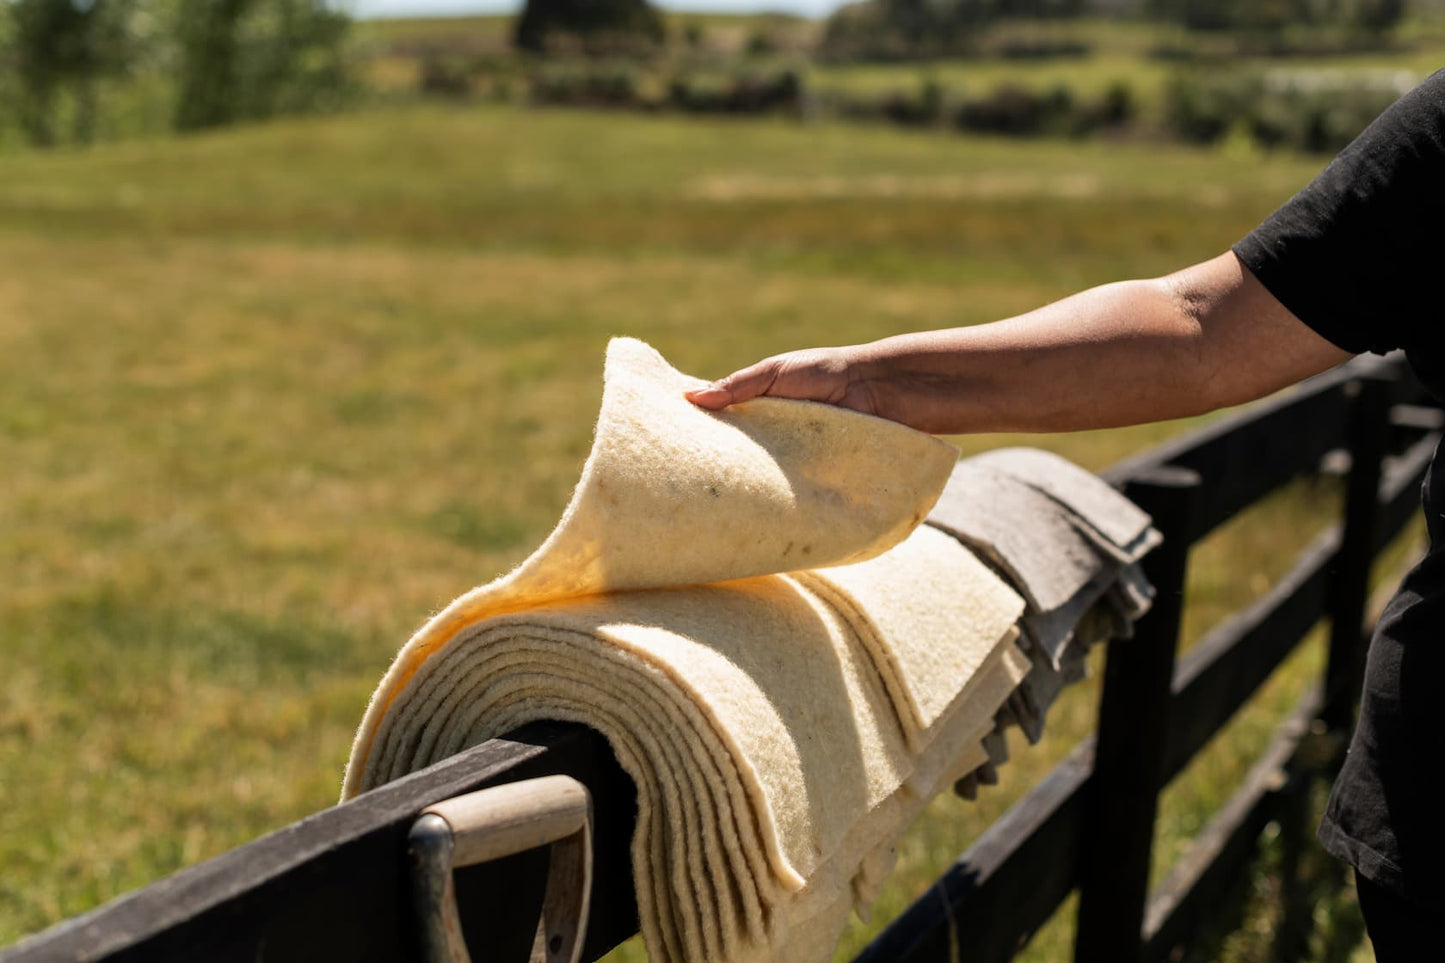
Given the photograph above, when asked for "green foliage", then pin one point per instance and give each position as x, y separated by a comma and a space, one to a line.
603, 84
1378, 15
916, 29
1231, 14
250, 59
694, 35
207, 34
1119, 104
1316, 111
622, 84
197, 63
66, 45
903, 29
861, 31
1009, 110
1374, 16
1201, 109
446, 75
1018, 111
590, 25
761, 43
746, 93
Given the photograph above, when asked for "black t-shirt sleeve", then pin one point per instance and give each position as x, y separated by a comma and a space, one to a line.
1359, 254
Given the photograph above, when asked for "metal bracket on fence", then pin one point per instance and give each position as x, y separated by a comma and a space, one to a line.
493, 823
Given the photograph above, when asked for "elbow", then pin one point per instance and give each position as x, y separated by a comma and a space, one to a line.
1235, 341
1198, 368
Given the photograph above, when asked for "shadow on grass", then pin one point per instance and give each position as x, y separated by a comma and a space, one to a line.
1295, 904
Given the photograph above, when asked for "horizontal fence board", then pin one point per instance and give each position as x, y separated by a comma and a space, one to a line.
1400, 487
1006, 885
1226, 667
1223, 850
1417, 417
1245, 456
1244, 467
333, 886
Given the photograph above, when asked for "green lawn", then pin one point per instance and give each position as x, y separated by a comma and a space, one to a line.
269, 397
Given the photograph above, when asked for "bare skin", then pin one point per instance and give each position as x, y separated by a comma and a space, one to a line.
1202, 338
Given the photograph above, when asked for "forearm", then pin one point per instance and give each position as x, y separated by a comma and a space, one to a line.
1114, 355
1199, 339
1135, 351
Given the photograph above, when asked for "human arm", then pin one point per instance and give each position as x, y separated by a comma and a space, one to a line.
1202, 338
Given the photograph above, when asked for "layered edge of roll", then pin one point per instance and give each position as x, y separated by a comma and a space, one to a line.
775, 764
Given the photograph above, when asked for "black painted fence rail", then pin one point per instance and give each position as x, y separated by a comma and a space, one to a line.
335, 887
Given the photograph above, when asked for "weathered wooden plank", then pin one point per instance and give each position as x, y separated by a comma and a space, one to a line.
334, 885
1129, 756
1245, 456
1184, 446
1216, 858
1417, 417
1400, 488
1225, 668
1350, 584
1009, 882
1408, 425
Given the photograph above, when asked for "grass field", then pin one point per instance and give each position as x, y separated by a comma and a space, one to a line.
271, 396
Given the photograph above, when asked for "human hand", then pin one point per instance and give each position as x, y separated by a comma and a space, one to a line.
836, 376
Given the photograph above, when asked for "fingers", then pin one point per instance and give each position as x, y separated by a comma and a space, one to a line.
740, 386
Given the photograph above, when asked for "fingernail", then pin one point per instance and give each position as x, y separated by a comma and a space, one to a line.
706, 395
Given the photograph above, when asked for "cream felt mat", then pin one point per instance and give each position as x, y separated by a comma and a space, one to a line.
782, 729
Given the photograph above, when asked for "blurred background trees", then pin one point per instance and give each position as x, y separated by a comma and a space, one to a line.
216, 61
891, 29
1277, 73
252, 59
1369, 15
898, 29
64, 48
590, 25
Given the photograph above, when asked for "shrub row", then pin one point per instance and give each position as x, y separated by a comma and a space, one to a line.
623, 85
1009, 110
1317, 111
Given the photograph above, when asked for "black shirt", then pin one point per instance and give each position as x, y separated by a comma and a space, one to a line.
1359, 256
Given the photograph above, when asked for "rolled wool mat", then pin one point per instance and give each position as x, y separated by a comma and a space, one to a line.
782, 729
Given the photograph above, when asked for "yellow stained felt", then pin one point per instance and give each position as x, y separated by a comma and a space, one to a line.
782, 729
674, 495
910, 600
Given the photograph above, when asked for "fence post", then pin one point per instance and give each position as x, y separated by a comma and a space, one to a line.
1350, 582
1133, 734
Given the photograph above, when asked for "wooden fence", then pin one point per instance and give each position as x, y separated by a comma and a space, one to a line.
1090, 823
335, 886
